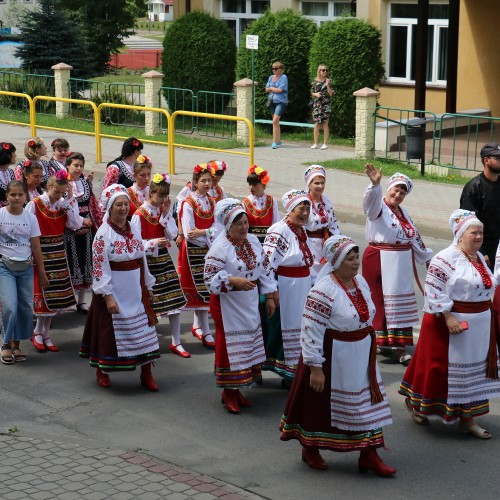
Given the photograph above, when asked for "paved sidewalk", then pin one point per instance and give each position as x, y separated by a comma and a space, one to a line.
40, 469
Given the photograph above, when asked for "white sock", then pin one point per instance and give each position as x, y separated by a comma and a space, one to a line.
205, 326
46, 339
175, 330
196, 320
81, 296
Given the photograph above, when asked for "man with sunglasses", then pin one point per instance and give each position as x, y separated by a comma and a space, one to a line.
277, 94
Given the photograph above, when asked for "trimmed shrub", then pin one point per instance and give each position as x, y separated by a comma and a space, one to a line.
199, 54
284, 36
352, 50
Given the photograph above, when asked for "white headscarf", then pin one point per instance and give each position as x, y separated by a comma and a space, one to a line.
227, 209
399, 178
335, 250
460, 220
108, 197
313, 171
293, 198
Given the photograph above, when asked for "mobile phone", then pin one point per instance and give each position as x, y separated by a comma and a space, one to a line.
464, 325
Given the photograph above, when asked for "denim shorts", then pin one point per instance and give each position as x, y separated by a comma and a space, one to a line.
277, 108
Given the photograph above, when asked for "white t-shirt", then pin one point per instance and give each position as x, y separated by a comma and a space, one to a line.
16, 232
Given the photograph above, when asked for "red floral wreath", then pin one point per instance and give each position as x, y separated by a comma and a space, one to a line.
136, 143
62, 175
6, 146
260, 173
31, 143
27, 163
203, 167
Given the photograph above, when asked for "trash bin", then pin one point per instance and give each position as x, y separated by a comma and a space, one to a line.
415, 139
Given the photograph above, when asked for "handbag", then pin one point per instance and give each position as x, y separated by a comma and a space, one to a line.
16, 266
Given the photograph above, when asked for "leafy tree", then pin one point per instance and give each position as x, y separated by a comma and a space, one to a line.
352, 50
137, 8
46, 44
284, 36
200, 54
104, 23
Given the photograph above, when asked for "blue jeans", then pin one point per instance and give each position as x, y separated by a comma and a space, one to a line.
277, 108
16, 303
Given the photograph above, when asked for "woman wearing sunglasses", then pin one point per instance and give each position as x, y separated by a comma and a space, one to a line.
277, 95
321, 93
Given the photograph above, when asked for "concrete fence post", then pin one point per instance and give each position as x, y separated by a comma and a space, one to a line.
62, 74
366, 103
244, 108
152, 81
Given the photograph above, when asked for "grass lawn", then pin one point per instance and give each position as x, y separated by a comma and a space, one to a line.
120, 78
390, 167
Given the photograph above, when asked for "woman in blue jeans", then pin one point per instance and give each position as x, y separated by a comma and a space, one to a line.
277, 90
19, 240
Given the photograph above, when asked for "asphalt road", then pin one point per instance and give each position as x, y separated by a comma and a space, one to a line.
55, 394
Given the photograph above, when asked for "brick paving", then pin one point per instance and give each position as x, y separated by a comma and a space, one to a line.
41, 469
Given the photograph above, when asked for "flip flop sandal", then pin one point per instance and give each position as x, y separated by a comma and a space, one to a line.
475, 430
6, 359
18, 358
418, 419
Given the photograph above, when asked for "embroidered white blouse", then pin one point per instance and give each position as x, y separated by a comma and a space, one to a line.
328, 220
188, 223
74, 220
260, 202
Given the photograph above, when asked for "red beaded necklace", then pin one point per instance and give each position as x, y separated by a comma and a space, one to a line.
479, 266
245, 253
319, 208
357, 298
407, 226
304, 247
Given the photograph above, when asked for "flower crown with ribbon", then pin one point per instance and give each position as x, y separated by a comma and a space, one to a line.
260, 173
143, 159
159, 178
62, 175
204, 167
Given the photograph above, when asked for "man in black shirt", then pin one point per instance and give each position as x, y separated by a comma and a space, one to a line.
482, 195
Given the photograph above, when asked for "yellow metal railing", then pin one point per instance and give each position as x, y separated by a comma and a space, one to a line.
31, 110
171, 132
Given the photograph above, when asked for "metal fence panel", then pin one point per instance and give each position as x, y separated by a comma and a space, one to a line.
218, 103
12, 82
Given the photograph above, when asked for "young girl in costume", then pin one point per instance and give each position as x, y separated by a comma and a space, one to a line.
199, 228
19, 239
261, 208
32, 179
121, 169
7, 158
34, 150
60, 148
158, 228
54, 213
139, 191
78, 243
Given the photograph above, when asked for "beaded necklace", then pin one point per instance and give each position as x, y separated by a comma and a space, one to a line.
245, 253
407, 227
357, 299
304, 247
319, 208
479, 266
126, 232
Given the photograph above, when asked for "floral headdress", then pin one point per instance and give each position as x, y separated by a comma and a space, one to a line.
204, 167
62, 175
460, 220
227, 209
292, 198
219, 166
336, 248
158, 178
260, 173
136, 143
143, 159
313, 171
109, 195
6, 146
400, 179
31, 143
27, 163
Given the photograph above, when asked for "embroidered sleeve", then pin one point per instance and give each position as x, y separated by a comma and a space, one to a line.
168, 222
267, 281
188, 225
95, 212
317, 311
74, 220
333, 225
150, 246
213, 231
276, 211
372, 202
111, 176
101, 271
18, 172
422, 253
436, 289
275, 247
149, 279
215, 275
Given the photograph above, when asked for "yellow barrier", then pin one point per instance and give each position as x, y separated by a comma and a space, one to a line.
171, 133
31, 113
97, 124
99, 135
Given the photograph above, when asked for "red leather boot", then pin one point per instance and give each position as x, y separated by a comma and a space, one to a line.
312, 457
102, 378
243, 401
147, 379
370, 460
230, 401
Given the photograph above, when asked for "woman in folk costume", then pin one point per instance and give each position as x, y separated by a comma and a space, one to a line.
79, 243
7, 158
158, 228
338, 401
454, 370
234, 275
54, 213
120, 332
139, 191
261, 208
388, 261
34, 151
287, 254
200, 230
121, 169
322, 221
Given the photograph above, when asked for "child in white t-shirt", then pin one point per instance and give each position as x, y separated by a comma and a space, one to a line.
19, 240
